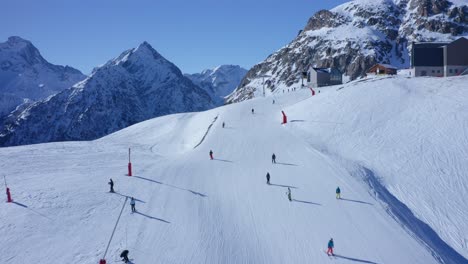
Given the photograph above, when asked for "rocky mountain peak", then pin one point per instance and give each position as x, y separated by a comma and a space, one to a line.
23, 48
219, 81
25, 76
355, 35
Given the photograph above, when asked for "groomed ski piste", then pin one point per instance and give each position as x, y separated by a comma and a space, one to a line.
396, 147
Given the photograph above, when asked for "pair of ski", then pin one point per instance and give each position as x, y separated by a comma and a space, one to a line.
332, 256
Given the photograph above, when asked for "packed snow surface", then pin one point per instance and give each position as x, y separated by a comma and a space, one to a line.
409, 134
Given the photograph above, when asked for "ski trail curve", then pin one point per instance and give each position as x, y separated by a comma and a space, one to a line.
206, 133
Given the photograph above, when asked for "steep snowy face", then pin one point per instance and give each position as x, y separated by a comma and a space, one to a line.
220, 81
26, 75
139, 84
354, 36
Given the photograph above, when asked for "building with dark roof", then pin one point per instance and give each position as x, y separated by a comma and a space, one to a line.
380, 68
439, 58
318, 77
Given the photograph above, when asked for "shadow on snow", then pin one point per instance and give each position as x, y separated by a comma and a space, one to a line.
286, 186
152, 217
224, 160
355, 259
440, 250
287, 164
306, 202
179, 188
355, 201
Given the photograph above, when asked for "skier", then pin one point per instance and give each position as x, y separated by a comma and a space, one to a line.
273, 158
132, 204
289, 194
268, 178
252, 111
331, 245
211, 154
111, 183
124, 256
223, 124
338, 193
273, 101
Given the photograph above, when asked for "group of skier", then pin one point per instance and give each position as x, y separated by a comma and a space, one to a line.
124, 254
330, 244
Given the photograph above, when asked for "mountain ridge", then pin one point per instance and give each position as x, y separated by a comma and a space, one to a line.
137, 85
354, 36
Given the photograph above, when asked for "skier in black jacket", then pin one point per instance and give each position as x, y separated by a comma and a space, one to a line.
273, 158
124, 256
111, 183
268, 178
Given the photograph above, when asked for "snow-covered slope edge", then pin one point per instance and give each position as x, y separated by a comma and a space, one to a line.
138, 85
25, 75
410, 133
220, 81
354, 36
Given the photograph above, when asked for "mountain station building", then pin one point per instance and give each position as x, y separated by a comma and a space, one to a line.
385, 69
319, 77
440, 59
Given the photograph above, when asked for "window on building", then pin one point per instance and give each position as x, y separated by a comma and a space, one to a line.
308, 77
456, 70
451, 71
438, 71
433, 71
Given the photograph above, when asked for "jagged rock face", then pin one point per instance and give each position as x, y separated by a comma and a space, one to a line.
354, 36
138, 85
220, 81
25, 75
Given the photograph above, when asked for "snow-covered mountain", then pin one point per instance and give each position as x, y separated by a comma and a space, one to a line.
220, 81
355, 35
138, 85
26, 76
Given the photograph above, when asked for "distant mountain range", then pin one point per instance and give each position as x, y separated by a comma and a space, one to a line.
25, 76
137, 85
220, 81
354, 36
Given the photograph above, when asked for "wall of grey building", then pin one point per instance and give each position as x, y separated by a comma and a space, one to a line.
453, 70
428, 71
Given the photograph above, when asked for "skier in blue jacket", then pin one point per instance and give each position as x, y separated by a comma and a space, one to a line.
331, 245
338, 193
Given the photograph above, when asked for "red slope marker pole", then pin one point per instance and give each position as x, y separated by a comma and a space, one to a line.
9, 200
285, 118
129, 164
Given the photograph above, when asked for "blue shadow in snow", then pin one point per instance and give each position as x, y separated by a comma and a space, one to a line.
136, 199
224, 160
20, 204
354, 259
152, 217
287, 164
355, 201
440, 250
286, 186
162, 183
306, 202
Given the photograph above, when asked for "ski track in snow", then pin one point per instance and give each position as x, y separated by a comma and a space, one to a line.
194, 210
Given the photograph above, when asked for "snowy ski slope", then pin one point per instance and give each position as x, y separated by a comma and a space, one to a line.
407, 134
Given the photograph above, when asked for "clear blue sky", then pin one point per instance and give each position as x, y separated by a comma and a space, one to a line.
193, 34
